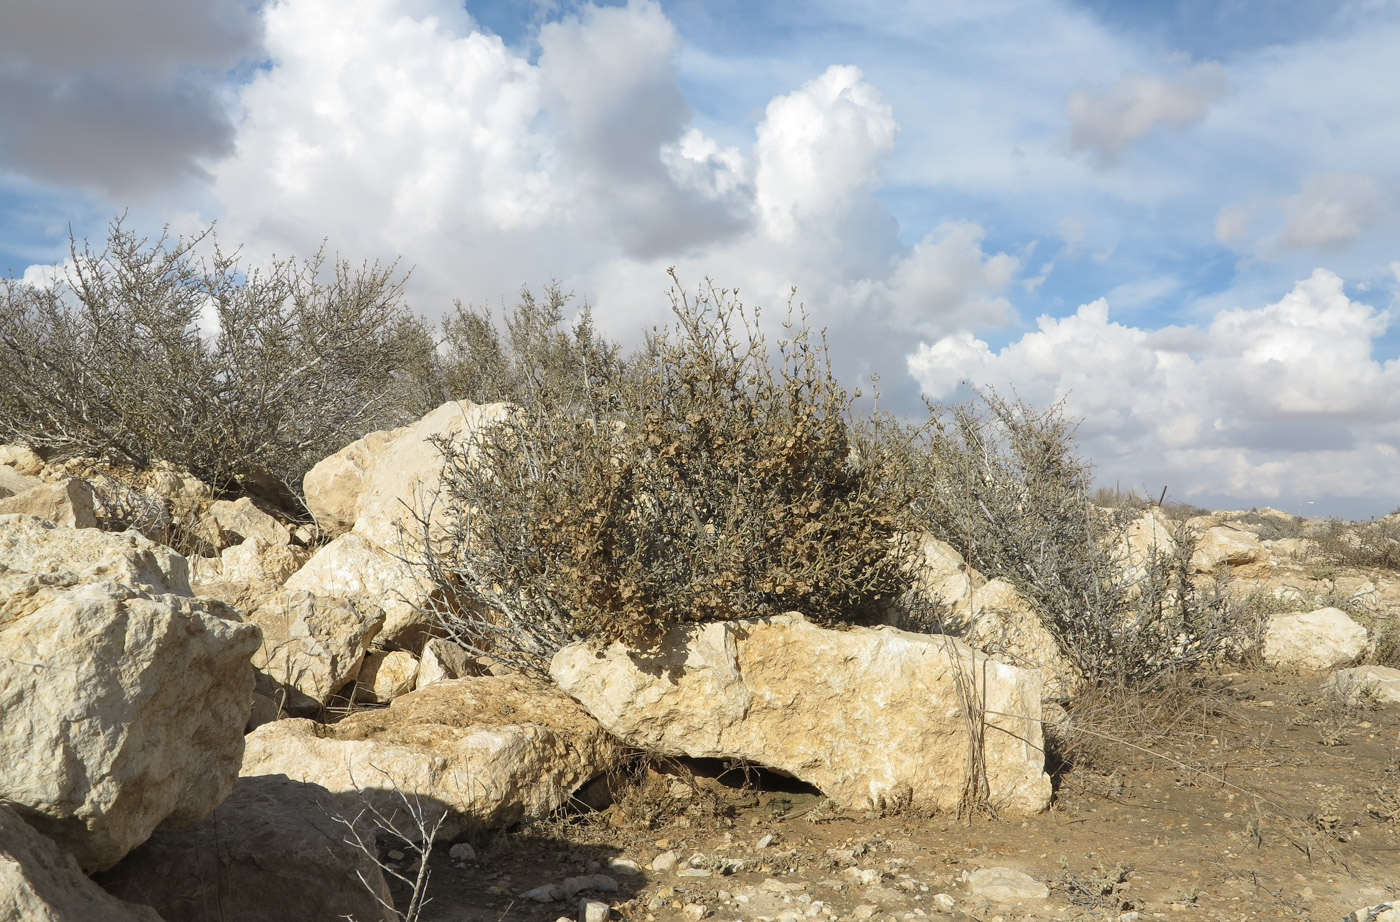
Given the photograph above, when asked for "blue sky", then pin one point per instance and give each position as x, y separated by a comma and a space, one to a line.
1181, 217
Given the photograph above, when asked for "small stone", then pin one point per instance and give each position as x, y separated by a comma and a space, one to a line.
694, 912
694, 872
623, 866
944, 901
593, 911
863, 911
765, 841
462, 852
665, 862
395, 855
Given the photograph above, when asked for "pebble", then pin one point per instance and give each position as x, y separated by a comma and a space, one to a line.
462, 852
765, 841
623, 866
665, 862
549, 893
694, 912
694, 872
863, 911
944, 901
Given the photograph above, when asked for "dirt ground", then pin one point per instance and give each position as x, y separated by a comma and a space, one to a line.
1255, 796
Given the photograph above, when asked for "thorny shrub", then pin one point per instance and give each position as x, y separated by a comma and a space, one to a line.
1001, 481
707, 479
118, 358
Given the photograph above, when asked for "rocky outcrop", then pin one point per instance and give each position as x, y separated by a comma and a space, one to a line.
941, 574
248, 574
226, 523
66, 502
377, 482
1322, 639
485, 751
874, 717
354, 568
274, 851
21, 460
40, 882
122, 700
314, 644
12, 482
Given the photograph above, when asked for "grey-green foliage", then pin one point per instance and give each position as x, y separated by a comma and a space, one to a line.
705, 479
117, 357
1003, 482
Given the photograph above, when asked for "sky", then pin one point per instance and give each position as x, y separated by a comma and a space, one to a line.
1181, 218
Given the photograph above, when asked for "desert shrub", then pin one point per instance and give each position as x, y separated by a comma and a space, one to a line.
1371, 545
535, 359
1003, 483
119, 359
706, 479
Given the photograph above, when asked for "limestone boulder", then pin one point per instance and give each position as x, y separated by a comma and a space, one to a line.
482, 751
122, 704
376, 483
226, 523
386, 676
40, 882
65, 502
1293, 548
31, 544
442, 659
12, 482
21, 460
247, 574
314, 644
876, 718
1379, 683
1221, 545
941, 573
274, 851
1322, 639
1144, 539
355, 568
1002, 623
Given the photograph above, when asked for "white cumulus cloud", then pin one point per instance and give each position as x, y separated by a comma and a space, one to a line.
1274, 401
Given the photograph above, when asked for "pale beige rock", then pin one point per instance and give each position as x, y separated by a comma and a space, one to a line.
314, 644
1322, 639
1145, 539
144, 693
66, 502
1221, 545
34, 545
1005, 885
1002, 623
442, 659
376, 482
21, 460
12, 482
40, 882
940, 573
871, 716
1379, 683
1293, 548
485, 751
226, 523
246, 575
272, 852
354, 567
386, 676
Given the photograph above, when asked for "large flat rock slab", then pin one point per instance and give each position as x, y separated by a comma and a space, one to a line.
877, 718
